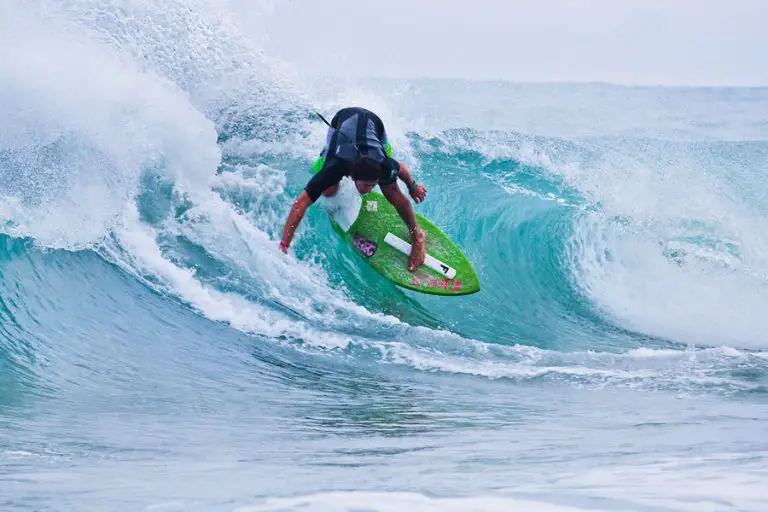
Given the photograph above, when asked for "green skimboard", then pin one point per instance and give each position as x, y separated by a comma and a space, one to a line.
377, 233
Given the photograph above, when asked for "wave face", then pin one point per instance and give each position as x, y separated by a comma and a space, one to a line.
151, 332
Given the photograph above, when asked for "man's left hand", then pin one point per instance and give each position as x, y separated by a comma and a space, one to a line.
418, 193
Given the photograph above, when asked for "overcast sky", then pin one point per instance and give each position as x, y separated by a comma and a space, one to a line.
670, 42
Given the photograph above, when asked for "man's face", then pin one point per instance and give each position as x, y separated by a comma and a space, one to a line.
365, 186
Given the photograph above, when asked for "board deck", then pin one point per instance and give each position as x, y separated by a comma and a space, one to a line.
364, 222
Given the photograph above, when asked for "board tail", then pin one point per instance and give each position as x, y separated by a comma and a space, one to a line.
438, 266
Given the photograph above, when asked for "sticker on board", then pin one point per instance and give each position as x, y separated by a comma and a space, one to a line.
367, 247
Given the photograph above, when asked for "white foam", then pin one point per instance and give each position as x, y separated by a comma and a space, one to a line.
139, 254
628, 275
397, 502
197, 44
733, 481
690, 370
80, 125
675, 250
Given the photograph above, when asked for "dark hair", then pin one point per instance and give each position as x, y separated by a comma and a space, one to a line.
366, 169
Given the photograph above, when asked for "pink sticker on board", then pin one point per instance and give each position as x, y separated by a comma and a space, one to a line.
424, 281
367, 247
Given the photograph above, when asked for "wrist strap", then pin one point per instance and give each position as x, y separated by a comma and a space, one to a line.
413, 185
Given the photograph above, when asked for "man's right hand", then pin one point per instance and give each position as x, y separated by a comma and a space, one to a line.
283, 247
418, 193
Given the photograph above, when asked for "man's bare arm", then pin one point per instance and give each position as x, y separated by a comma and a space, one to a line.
295, 216
417, 191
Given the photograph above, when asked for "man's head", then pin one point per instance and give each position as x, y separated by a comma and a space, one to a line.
365, 172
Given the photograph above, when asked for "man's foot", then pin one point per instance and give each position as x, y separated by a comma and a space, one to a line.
418, 249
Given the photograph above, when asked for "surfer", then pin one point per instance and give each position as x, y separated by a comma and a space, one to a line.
357, 146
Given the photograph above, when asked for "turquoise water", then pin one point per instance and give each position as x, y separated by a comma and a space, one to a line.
157, 352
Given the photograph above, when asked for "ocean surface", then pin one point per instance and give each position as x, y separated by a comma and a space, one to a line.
159, 353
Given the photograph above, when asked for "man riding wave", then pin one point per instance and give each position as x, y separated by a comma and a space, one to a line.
357, 146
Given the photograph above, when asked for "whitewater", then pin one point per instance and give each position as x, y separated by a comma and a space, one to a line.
158, 352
